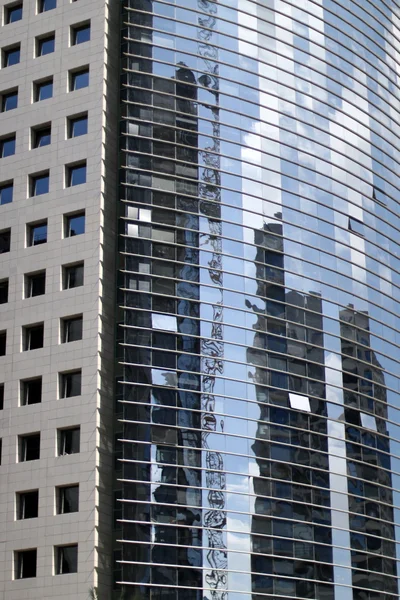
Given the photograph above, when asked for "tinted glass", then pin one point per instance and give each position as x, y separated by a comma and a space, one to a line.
81, 34
14, 13
78, 126
6, 194
9, 101
7, 147
80, 79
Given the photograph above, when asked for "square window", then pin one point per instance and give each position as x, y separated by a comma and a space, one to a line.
29, 447
76, 174
31, 391
37, 233
67, 499
1, 396
66, 559
4, 291
74, 224
42, 90
7, 146
3, 342
39, 184
71, 329
45, 45
35, 284
80, 34
69, 441
41, 136
9, 100
5, 240
25, 563
32, 337
72, 276
77, 126
44, 5
12, 13
6, 193
11, 56
70, 384
79, 79
27, 504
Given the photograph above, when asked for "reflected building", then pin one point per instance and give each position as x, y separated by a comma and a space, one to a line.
257, 420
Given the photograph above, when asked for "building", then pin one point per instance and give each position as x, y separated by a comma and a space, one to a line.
235, 214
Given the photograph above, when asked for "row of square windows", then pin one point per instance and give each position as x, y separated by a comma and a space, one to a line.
76, 126
71, 330
66, 501
39, 183
45, 44
70, 385
14, 10
36, 233
65, 561
68, 442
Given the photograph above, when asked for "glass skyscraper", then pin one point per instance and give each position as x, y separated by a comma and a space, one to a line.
258, 316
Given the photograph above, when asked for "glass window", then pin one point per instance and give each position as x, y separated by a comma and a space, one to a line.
77, 126
66, 559
76, 174
41, 136
43, 90
45, 45
67, 499
44, 5
7, 146
40, 184
5, 240
80, 34
71, 329
37, 234
356, 226
299, 402
70, 384
79, 79
3, 342
3, 291
69, 441
11, 56
29, 447
27, 504
13, 13
35, 284
72, 276
32, 337
1, 396
6, 193
31, 391
74, 224
9, 100
25, 563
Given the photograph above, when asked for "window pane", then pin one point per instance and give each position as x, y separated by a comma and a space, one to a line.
4, 291
46, 45
41, 137
78, 126
40, 185
72, 330
38, 233
44, 90
11, 57
9, 101
6, 194
80, 79
81, 34
77, 175
47, 5
25, 564
14, 13
75, 225
73, 276
67, 559
71, 384
5, 241
35, 285
7, 147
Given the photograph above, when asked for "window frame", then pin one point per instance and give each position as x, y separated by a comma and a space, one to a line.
42, 39
59, 558
27, 331
25, 391
31, 228
44, 129
39, 86
63, 441
4, 285
7, 242
7, 53
61, 500
3, 342
7, 95
75, 119
64, 384
23, 450
4, 187
9, 139
36, 178
71, 171
66, 326
41, 6
29, 281
67, 224
73, 75
8, 8
19, 563
21, 498
76, 29
66, 275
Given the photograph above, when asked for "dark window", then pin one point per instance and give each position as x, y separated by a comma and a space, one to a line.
44, 5
71, 329
6, 193
77, 126
35, 284
41, 136
45, 45
7, 146
76, 174
72, 276
27, 504
79, 79
70, 384
4, 291
31, 391
66, 559
43, 90
69, 441
29, 447
80, 34
74, 224
13, 13
39, 184
37, 233
11, 56
67, 499
1, 396
9, 100
33, 337
25, 564
356, 226
3, 342
5, 240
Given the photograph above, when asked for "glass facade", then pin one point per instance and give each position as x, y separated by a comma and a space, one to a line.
259, 287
